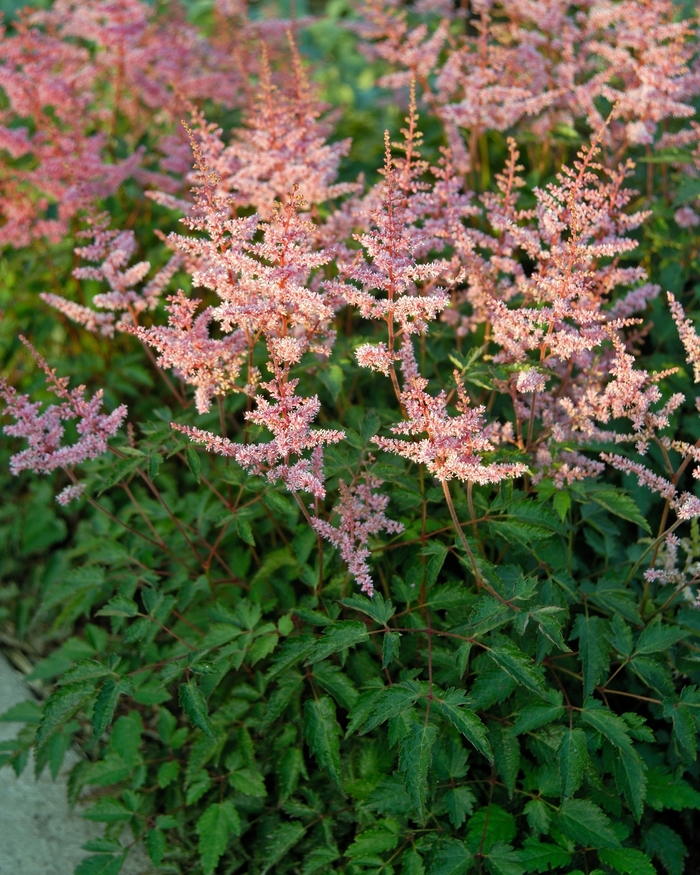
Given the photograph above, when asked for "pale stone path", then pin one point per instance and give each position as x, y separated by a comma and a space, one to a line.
39, 834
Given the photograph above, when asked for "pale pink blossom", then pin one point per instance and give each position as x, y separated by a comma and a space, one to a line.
44, 431
70, 493
454, 445
361, 514
687, 334
530, 380
209, 364
687, 218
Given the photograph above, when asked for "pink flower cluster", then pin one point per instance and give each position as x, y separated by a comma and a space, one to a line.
56, 68
542, 65
276, 245
44, 430
360, 513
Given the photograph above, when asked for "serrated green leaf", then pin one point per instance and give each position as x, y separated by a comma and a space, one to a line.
535, 716
214, 828
155, 460
61, 705
627, 861
107, 811
509, 657
195, 705
658, 638
549, 622
125, 739
197, 787
459, 803
537, 856
289, 653
287, 689
451, 858
562, 503
387, 703
685, 728
621, 505
390, 648
653, 673
503, 860
244, 530
585, 823
665, 790
452, 707
290, 769
282, 840
23, 712
107, 771
322, 734
518, 532
102, 846
376, 608
594, 650
118, 471
620, 636
119, 606
572, 760
489, 825
85, 670
538, 814
436, 553
412, 863
337, 683
488, 614
507, 758
415, 756
365, 705
248, 781
630, 769
372, 842
666, 845
101, 864
106, 702
167, 773
155, 845
194, 463
262, 647
337, 637
608, 724
319, 860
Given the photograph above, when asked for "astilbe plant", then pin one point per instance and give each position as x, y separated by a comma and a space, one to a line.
44, 430
412, 586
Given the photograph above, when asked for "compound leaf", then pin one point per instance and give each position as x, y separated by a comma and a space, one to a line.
415, 756
322, 734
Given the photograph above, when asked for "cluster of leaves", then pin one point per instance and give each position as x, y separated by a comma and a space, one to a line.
240, 708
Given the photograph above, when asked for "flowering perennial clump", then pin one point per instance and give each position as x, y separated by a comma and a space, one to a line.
395, 564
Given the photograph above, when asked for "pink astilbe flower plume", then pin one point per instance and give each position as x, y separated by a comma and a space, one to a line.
688, 336
282, 144
540, 65
44, 431
395, 286
211, 365
361, 514
288, 417
111, 251
53, 67
266, 292
455, 445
